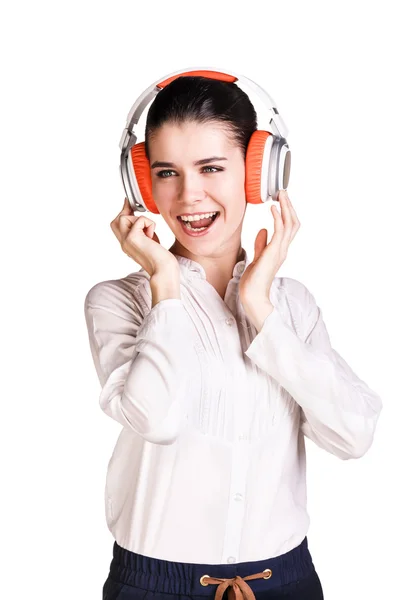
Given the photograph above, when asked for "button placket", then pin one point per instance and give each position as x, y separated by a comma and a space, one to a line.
236, 507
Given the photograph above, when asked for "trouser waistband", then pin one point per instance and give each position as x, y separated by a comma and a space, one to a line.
204, 580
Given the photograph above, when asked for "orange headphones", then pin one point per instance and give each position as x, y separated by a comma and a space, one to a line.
267, 158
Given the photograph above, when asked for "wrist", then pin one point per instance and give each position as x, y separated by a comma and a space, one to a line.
257, 312
165, 285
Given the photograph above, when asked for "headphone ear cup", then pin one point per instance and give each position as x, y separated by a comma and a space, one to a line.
255, 175
141, 168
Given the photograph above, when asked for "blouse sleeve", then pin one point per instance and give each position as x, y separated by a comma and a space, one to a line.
141, 362
339, 411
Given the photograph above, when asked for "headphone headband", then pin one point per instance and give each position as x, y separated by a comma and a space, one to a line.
129, 138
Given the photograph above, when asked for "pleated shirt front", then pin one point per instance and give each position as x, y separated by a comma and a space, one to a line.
210, 463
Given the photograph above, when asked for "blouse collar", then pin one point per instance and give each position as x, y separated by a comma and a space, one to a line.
194, 269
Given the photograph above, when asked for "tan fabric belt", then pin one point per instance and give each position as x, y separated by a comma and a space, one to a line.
238, 588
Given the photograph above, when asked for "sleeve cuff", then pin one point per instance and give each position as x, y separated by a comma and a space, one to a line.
171, 305
274, 326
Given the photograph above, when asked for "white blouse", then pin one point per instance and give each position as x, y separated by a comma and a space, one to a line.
210, 464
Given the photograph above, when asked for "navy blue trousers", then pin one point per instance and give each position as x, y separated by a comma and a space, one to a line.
136, 577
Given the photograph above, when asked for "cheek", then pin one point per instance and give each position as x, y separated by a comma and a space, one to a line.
225, 188
163, 194
237, 181
237, 190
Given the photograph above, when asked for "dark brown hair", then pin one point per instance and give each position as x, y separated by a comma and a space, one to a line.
203, 100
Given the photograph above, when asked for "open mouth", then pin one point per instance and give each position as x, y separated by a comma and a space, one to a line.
200, 227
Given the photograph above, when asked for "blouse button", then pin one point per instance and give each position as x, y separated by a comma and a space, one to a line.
229, 321
231, 559
238, 497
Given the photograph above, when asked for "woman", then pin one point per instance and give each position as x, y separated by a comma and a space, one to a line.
217, 369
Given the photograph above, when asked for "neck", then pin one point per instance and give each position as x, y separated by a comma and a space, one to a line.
215, 265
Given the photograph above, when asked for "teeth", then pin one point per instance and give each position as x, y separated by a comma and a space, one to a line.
198, 217
188, 226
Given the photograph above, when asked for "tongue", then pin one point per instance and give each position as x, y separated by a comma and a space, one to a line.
201, 223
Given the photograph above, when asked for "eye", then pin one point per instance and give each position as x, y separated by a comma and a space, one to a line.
162, 175
215, 169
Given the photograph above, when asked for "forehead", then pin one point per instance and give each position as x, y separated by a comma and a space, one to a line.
191, 139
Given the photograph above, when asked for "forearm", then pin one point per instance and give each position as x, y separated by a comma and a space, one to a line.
340, 409
143, 360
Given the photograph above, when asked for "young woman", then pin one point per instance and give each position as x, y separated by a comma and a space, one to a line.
216, 368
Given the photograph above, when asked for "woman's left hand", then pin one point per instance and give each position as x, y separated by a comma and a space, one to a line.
255, 283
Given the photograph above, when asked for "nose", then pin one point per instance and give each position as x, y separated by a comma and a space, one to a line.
191, 188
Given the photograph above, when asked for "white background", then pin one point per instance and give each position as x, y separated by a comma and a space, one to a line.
70, 73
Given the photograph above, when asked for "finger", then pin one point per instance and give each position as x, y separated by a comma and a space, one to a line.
296, 222
289, 219
125, 224
260, 243
150, 232
295, 217
115, 229
278, 228
126, 209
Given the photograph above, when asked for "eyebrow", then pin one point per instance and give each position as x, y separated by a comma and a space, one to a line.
202, 161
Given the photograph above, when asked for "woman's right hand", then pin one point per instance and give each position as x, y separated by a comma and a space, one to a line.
138, 239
